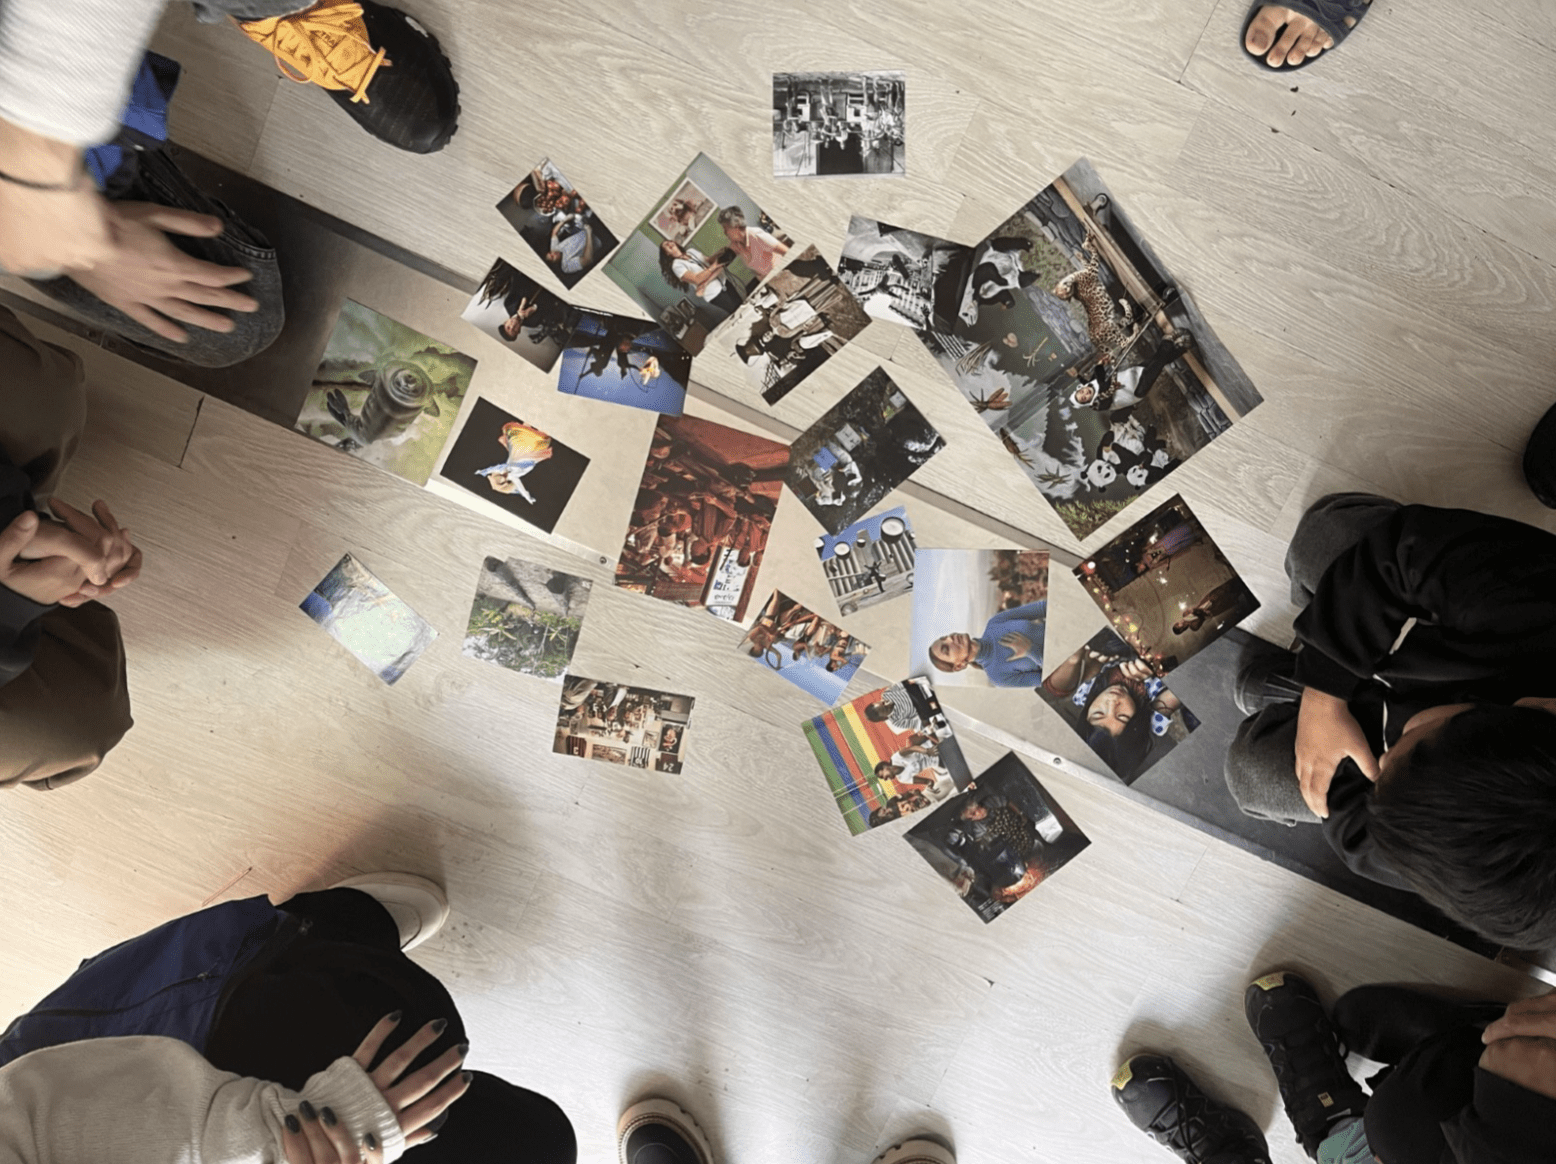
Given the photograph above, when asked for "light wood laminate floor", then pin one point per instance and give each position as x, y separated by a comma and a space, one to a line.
1373, 239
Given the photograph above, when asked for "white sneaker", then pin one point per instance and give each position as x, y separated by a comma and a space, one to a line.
917, 1152
418, 905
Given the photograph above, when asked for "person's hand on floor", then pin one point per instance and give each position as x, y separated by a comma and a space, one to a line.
1521, 1045
153, 282
48, 230
1327, 733
120, 558
49, 563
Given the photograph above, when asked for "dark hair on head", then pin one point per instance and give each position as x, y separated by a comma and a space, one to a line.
667, 267
879, 766
1125, 752
876, 712
889, 811
1468, 818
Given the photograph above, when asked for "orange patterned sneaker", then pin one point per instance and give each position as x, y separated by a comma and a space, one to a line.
378, 64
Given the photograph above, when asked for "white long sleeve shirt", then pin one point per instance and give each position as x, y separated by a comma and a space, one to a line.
66, 65
152, 1100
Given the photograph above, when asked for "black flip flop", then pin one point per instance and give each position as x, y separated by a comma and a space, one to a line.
1329, 15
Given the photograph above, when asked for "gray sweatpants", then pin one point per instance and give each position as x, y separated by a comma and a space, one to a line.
1261, 763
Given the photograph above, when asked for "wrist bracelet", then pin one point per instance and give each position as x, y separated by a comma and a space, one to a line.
45, 187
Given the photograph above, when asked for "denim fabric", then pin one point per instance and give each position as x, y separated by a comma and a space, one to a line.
215, 11
157, 178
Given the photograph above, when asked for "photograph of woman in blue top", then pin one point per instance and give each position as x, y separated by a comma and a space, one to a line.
1009, 651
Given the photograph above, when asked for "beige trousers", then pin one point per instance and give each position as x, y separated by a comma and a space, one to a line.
59, 718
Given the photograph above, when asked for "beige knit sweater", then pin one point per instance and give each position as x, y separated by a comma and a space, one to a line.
151, 1100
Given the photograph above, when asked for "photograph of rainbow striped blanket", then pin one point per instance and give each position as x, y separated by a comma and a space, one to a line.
887, 754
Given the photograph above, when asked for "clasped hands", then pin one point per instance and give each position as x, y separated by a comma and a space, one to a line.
70, 562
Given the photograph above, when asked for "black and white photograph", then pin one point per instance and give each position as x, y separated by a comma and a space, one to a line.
999, 840
522, 315
793, 324
839, 124
558, 223
903, 276
870, 561
866, 445
1077, 347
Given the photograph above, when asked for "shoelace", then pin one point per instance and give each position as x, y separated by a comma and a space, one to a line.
1187, 1133
325, 45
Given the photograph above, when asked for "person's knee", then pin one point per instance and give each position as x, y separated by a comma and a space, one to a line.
1260, 768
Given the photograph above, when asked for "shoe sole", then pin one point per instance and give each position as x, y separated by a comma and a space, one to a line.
662, 1111
424, 886
916, 1151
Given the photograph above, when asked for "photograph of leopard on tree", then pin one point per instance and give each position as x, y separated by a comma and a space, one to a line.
1079, 351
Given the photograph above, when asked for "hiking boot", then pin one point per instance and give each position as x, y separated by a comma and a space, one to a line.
1386, 1023
657, 1131
1305, 1052
377, 63
1163, 1102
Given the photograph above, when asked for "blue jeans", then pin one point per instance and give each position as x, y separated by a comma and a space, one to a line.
158, 179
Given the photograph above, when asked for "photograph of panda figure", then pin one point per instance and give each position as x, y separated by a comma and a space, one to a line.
1077, 348
999, 840
1117, 703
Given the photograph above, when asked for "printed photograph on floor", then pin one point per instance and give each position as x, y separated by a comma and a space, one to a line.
870, 561
999, 840
526, 617
792, 324
804, 648
557, 223
1076, 346
361, 614
979, 617
514, 465
632, 726
523, 316
698, 254
703, 512
839, 124
888, 754
623, 360
385, 393
902, 276
1114, 701
865, 445
1165, 587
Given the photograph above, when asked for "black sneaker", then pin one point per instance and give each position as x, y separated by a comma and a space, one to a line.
377, 63
657, 1131
1305, 1052
1163, 1102
1540, 460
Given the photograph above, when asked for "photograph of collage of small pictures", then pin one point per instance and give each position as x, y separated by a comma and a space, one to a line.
1062, 331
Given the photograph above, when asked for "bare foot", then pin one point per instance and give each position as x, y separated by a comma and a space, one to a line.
1299, 37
